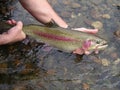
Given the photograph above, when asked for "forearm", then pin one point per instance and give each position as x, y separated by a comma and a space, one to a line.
42, 11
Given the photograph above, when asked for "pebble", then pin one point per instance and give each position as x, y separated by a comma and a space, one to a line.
97, 2
86, 86
75, 5
65, 14
95, 14
66, 2
53, 2
73, 15
117, 33
105, 62
97, 24
106, 16
117, 61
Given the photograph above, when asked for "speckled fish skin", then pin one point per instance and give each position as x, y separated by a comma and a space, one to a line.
63, 39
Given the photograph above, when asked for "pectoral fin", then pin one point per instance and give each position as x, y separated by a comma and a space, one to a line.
78, 51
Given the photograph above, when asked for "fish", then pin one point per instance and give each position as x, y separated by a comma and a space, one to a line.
66, 40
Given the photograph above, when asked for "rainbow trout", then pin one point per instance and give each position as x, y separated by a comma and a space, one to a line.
63, 39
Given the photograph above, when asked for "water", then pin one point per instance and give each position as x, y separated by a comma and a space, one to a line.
27, 65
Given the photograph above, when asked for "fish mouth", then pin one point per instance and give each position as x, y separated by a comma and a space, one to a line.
103, 46
99, 47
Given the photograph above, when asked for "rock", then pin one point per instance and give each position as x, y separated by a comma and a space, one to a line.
106, 16
105, 62
88, 21
86, 86
118, 7
97, 25
117, 61
97, 2
65, 14
18, 87
75, 5
73, 15
66, 2
53, 2
114, 55
95, 14
117, 33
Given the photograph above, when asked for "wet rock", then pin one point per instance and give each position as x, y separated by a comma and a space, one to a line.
86, 86
75, 5
117, 33
53, 2
105, 62
66, 2
73, 15
97, 25
65, 14
84, 8
106, 16
51, 72
118, 7
88, 22
97, 1
96, 60
117, 61
95, 13
18, 87
114, 55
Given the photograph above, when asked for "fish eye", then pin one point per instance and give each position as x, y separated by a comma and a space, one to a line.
98, 42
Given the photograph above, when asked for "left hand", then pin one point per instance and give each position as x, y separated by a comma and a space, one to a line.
14, 34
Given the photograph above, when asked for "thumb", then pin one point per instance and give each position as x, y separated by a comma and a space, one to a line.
19, 25
16, 28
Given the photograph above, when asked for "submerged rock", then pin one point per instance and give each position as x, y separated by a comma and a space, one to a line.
106, 16
75, 5
97, 25
117, 33
105, 62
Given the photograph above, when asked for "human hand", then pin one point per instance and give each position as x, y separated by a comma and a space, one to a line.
14, 34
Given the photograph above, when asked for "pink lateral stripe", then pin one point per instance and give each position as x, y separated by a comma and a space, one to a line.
54, 37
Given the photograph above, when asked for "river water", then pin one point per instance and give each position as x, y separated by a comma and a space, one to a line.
29, 65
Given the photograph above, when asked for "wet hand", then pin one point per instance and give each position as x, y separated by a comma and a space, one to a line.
14, 34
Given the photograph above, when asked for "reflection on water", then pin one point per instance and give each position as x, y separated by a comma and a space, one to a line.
28, 65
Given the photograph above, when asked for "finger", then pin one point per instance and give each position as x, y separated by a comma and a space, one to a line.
19, 24
12, 22
16, 28
9, 22
92, 31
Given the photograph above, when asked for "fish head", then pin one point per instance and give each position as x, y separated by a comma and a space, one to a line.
94, 44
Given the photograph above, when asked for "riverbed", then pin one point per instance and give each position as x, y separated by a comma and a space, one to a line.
29, 65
